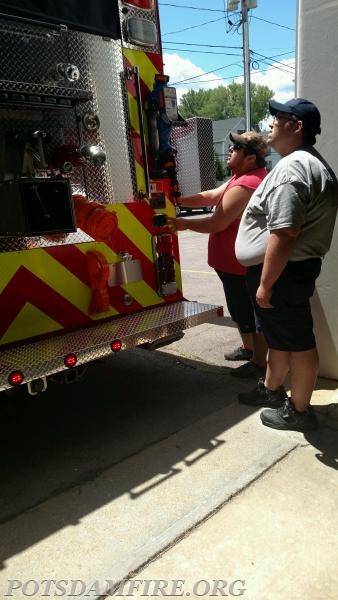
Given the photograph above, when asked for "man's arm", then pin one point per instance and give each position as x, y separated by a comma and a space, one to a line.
233, 203
279, 249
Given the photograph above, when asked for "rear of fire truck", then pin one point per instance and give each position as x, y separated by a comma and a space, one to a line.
88, 177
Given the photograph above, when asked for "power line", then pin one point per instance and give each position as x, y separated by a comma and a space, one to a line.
192, 27
265, 59
205, 45
189, 79
272, 23
222, 78
261, 57
223, 12
192, 7
202, 75
202, 51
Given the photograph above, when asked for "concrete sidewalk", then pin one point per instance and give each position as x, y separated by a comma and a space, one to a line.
279, 537
279, 534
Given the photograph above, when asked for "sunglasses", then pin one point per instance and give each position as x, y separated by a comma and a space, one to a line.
246, 148
237, 146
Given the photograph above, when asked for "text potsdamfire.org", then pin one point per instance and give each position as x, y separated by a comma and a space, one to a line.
70, 588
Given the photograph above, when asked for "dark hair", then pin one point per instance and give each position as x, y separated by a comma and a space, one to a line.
308, 137
260, 160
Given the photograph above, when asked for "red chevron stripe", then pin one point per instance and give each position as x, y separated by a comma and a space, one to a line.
156, 60
117, 296
75, 261
130, 83
137, 147
144, 214
72, 259
26, 287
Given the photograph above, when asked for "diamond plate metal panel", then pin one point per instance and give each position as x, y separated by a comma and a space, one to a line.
28, 55
46, 357
195, 155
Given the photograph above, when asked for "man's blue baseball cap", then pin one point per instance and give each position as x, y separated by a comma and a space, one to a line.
305, 110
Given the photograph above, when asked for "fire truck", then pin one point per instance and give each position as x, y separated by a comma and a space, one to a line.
88, 177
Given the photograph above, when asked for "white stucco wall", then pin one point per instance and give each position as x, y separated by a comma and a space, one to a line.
317, 80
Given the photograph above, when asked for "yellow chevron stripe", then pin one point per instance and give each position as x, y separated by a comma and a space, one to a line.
140, 178
54, 274
143, 293
135, 123
29, 322
146, 68
178, 276
140, 290
135, 231
133, 112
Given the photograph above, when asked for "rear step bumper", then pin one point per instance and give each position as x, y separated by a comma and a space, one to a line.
46, 357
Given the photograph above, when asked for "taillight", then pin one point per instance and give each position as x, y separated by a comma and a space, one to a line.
141, 31
15, 378
143, 4
116, 345
70, 360
220, 311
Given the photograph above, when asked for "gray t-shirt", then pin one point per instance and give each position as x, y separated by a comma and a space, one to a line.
301, 191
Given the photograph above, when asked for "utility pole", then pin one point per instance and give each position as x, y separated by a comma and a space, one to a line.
246, 61
232, 5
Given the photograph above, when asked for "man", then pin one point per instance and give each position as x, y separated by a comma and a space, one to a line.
284, 233
246, 160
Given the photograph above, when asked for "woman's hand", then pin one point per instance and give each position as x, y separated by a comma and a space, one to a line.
176, 224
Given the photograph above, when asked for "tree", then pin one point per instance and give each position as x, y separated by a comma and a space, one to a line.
226, 102
220, 168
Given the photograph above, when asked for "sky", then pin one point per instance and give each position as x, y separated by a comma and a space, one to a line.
203, 44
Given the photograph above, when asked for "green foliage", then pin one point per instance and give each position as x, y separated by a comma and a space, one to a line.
220, 168
226, 102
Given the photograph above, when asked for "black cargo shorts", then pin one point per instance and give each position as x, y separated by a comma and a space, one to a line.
288, 326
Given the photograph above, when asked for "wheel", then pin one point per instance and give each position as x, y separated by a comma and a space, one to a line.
207, 209
178, 210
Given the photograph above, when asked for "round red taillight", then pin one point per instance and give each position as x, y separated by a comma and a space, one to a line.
220, 311
70, 360
116, 345
15, 378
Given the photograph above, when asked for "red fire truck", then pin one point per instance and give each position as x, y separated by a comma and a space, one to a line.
88, 177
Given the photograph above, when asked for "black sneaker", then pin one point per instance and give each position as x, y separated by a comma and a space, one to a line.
262, 396
288, 418
239, 354
248, 371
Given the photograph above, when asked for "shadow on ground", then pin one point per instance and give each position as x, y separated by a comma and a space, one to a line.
69, 435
